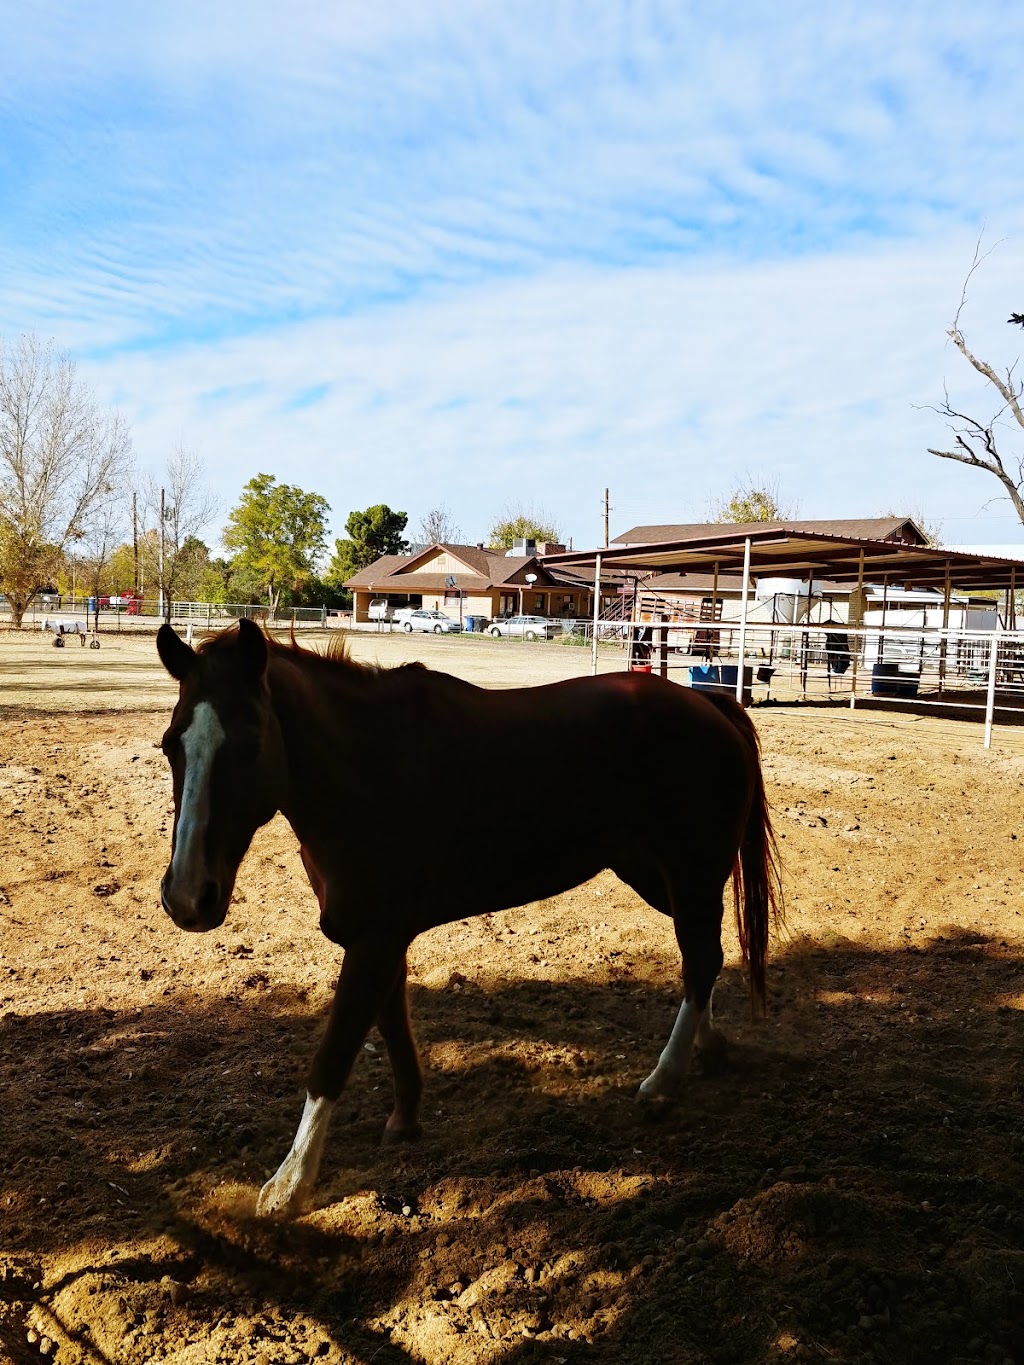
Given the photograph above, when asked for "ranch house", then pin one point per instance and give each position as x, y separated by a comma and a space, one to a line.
469, 580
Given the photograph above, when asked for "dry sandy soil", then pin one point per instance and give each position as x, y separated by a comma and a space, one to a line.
843, 1184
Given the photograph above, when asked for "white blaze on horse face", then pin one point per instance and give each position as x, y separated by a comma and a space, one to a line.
286, 1193
200, 743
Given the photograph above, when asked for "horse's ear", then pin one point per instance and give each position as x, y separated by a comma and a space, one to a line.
252, 648
175, 655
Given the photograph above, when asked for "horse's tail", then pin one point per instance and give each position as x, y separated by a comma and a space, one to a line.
756, 882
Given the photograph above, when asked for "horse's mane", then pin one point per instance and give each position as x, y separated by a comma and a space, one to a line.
334, 657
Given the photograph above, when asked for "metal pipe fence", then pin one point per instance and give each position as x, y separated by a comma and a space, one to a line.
973, 671
146, 613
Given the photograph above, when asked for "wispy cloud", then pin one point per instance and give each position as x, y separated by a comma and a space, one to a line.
460, 251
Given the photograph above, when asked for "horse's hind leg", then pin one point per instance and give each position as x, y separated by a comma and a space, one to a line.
697, 915
368, 976
396, 1030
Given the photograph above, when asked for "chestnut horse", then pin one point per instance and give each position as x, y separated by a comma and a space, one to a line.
661, 784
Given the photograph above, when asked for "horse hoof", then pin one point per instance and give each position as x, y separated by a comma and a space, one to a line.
392, 1136
274, 1202
659, 1089
713, 1055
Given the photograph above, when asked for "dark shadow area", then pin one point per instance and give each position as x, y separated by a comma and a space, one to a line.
842, 1182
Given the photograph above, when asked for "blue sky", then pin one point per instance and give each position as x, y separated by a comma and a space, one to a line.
478, 253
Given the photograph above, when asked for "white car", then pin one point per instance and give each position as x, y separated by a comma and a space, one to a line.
431, 621
526, 628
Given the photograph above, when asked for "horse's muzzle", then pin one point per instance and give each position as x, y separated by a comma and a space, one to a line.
199, 912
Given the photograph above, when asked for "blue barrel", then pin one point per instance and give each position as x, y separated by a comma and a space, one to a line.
469, 623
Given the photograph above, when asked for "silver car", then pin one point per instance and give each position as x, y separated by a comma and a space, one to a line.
526, 628
434, 622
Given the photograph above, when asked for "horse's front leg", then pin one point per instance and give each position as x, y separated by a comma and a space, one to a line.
371, 968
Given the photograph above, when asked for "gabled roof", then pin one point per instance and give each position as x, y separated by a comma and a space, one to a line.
487, 569
869, 528
365, 578
474, 558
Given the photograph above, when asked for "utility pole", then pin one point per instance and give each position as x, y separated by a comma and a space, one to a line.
161, 554
607, 509
135, 541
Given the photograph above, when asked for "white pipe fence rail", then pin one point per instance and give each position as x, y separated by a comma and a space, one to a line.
146, 612
970, 670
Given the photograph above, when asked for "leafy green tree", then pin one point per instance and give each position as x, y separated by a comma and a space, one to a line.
521, 523
375, 532
750, 500
120, 574
277, 532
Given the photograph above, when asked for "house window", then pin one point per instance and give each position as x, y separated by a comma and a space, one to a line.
508, 604
452, 597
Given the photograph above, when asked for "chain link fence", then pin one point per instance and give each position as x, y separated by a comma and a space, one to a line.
145, 613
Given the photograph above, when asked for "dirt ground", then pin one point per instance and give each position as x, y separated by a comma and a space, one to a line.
842, 1183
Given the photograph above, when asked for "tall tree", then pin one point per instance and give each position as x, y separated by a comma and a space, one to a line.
519, 521
187, 507
751, 499
62, 461
277, 532
438, 527
100, 543
974, 441
375, 532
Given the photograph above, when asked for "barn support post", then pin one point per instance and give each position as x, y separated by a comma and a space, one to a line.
805, 638
945, 627
990, 699
597, 613
662, 645
858, 644
1012, 616
744, 595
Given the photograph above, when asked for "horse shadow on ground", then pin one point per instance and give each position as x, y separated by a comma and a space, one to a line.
843, 1183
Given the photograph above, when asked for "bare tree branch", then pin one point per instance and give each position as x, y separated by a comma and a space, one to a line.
188, 508
61, 458
978, 258
975, 441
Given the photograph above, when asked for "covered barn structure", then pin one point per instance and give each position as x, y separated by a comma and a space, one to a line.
922, 663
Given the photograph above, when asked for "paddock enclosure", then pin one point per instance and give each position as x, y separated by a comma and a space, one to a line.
841, 1182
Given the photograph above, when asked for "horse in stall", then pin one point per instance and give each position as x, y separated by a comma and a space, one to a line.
261, 727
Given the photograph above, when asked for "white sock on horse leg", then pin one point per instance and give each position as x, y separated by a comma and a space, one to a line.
287, 1191
705, 1030
674, 1061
